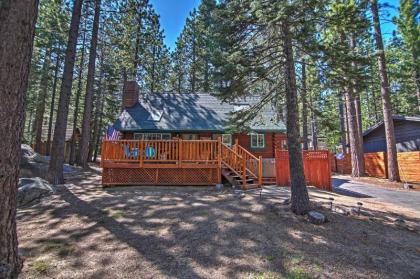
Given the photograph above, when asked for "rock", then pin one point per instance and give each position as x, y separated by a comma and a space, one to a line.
356, 211
400, 222
316, 218
32, 164
31, 189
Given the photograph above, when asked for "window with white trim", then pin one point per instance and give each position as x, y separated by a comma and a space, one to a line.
257, 140
227, 139
152, 136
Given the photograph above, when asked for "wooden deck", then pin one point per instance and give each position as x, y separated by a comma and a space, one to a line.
176, 162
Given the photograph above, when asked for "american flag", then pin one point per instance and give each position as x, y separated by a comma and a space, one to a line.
112, 134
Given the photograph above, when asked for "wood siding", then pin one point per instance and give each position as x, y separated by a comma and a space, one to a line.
407, 137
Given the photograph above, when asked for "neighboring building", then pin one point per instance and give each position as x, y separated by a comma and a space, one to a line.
195, 116
407, 135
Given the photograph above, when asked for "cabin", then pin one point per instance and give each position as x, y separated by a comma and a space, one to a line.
189, 139
407, 135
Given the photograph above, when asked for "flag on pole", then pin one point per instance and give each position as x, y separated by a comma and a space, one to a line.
112, 134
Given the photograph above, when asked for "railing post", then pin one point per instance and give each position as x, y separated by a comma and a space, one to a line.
180, 152
142, 152
260, 171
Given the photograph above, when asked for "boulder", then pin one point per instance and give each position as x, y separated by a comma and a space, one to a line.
32, 164
31, 189
316, 218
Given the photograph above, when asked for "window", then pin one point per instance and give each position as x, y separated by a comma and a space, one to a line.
189, 136
257, 141
152, 136
227, 139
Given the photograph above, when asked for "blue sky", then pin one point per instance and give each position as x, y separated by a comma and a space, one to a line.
173, 14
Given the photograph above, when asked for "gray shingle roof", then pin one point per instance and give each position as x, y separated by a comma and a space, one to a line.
190, 112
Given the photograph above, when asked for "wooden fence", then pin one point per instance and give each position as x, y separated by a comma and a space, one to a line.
376, 165
317, 167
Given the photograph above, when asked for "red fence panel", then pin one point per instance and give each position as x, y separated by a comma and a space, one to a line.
317, 167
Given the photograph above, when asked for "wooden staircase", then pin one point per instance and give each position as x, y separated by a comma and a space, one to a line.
241, 168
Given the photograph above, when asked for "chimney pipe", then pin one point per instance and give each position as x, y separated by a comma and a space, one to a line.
130, 94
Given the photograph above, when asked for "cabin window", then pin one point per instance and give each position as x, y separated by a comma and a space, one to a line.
227, 139
152, 136
257, 140
189, 136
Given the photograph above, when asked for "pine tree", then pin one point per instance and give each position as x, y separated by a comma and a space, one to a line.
87, 112
409, 27
393, 173
16, 17
55, 171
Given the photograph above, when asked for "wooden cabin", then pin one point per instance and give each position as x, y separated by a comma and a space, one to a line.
407, 135
188, 139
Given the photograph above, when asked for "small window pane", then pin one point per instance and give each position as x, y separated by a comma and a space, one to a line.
257, 140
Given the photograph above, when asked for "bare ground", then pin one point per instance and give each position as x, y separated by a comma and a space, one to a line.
85, 231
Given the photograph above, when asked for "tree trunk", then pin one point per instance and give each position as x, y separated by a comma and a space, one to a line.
356, 96
98, 113
87, 113
300, 197
17, 25
304, 109
393, 173
314, 135
342, 123
40, 107
52, 104
416, 74
357, 160
55, 171
77, 100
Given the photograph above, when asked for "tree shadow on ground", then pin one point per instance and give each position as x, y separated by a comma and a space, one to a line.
153, 232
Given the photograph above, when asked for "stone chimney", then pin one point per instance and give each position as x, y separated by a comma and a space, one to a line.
130, 94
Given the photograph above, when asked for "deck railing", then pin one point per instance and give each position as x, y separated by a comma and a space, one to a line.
160, 152
180, 153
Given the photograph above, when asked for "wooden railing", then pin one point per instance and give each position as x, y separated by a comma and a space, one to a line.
253, 163
181, 154
161, 152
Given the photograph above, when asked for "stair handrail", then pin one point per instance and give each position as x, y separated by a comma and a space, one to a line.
257, 169
237, 160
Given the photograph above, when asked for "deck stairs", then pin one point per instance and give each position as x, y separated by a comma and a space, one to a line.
241, 168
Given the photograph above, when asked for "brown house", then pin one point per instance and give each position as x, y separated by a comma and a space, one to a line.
195, 116
190, 139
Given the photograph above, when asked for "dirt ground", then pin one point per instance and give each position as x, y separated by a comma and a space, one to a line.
85, 231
